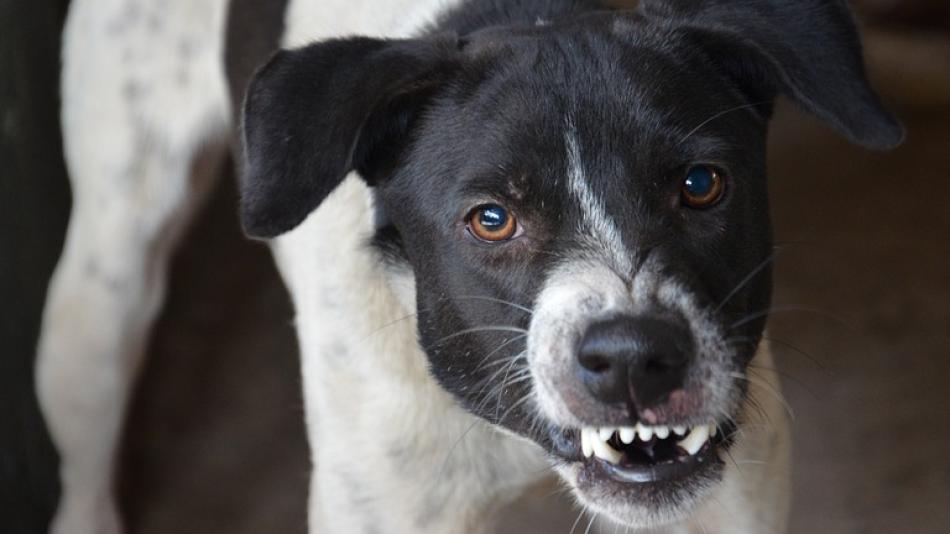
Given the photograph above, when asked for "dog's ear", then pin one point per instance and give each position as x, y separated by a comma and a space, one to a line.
808, 50
314, 114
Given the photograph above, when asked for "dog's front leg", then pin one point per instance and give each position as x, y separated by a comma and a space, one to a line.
144, 129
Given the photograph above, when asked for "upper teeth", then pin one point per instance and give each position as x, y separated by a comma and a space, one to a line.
595, 441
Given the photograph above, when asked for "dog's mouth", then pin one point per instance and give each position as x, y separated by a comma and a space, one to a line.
645, 455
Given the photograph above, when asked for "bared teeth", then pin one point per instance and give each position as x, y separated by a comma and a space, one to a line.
605, 452
587, 443
596, 441
695, 440
627, 435
645, 433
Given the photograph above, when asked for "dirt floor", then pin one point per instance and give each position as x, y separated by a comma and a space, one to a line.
215, 441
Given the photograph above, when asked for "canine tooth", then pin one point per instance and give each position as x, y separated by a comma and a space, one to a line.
695, 440
627, 435
645, 432
587, 444
679, 430
662, 432
606, 432
713, 430
606, 452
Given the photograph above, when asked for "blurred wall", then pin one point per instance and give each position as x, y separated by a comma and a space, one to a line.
34, 206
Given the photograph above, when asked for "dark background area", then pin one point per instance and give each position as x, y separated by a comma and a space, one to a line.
34, 207
215, 439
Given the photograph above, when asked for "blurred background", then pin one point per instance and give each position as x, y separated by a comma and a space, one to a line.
215, 440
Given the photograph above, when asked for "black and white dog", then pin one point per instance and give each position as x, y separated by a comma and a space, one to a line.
520, 236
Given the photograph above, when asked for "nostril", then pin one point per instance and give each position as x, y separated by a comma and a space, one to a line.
656, 367
659, 364
595, 363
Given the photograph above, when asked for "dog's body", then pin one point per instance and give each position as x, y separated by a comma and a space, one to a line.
398, 446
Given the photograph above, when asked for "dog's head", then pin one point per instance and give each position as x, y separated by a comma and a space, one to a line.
583, 205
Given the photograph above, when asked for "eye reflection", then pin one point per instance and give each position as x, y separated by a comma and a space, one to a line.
702, 187
492, 222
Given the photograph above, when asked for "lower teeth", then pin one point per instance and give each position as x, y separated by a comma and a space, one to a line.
644, 444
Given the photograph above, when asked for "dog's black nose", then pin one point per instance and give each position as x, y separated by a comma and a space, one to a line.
638, 359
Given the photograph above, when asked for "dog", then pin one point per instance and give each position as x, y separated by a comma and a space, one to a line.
523, 238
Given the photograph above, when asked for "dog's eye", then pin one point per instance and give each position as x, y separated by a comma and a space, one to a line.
702, 187
491, 222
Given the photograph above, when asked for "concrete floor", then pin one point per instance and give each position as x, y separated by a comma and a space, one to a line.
215, 441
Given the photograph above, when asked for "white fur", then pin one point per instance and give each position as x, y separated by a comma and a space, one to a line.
600, 227
144, 122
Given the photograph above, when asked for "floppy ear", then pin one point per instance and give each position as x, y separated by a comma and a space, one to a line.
314, 114
808, 50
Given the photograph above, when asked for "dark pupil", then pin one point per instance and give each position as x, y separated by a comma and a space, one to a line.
699, 182
493, 217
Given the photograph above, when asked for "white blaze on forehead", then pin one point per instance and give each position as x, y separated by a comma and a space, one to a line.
597, 225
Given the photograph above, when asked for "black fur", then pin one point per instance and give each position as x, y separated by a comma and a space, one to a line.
476, 111
317, 113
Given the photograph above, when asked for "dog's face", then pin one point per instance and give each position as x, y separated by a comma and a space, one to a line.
580, 249
583, 206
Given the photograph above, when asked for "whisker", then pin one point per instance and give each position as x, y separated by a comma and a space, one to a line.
739, 340
497, 390
514, 406
733, 460
391, 323
785, 309
720, 114
448, 455
769, 388
590, 523
514, 329
578, 520
506, 384
797, 350
525, 309
482, 365
749, 277
785, 376
760, 413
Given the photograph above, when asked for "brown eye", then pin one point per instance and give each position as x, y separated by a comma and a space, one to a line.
702, 187
492, 222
